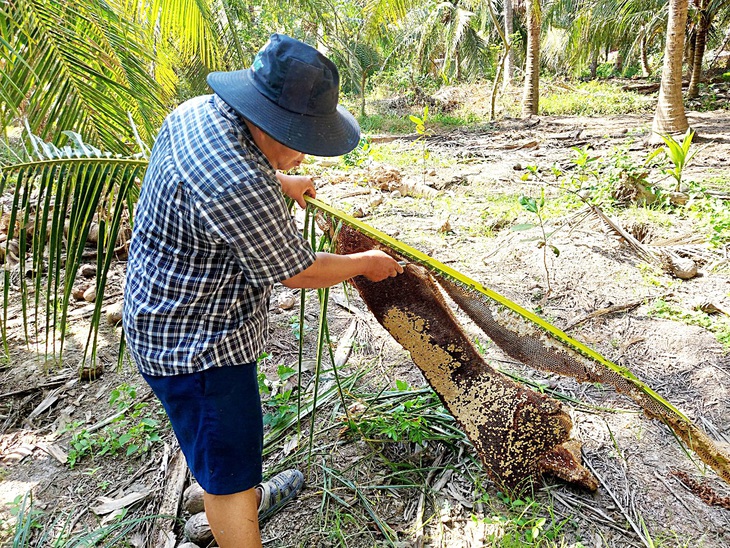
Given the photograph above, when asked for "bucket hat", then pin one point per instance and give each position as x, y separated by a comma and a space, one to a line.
290, 92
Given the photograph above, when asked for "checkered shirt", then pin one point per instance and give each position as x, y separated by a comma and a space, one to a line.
212, 234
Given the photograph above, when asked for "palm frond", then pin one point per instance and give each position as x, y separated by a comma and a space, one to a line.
190, 23
55, 201
77, 65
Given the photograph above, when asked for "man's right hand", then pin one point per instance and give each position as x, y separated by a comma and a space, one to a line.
380, 266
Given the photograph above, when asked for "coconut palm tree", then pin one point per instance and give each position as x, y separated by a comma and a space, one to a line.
670, 117
101, 68
77, 66
707, 11
702, 27
447, 40
531, 94
509, 61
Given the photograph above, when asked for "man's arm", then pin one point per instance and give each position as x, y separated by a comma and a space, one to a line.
330, 269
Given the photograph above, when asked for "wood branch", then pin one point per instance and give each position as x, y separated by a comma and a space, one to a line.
418, 527
604, 311
51, 384
344, 348
174, 483
109, 505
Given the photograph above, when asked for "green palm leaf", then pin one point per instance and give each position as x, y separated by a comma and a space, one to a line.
55, 201
78, 65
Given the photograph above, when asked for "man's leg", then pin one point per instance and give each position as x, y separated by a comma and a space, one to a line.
234, 519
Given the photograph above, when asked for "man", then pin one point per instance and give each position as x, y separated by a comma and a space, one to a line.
212, 234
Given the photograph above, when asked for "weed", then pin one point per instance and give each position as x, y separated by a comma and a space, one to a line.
403, 415
592, 98
378, 123
481, 346
652, 274
711, 214
360, 155
282, 405
27, 518
719, 327
32, 530
297, 328
537, 206
521, 525
135, 430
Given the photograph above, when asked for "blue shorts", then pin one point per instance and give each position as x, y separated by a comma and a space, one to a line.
216, 416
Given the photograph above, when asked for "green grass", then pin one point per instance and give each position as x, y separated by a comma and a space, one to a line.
385, 123
592, 98
398, 124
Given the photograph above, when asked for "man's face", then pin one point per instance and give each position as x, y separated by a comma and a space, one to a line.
282, 157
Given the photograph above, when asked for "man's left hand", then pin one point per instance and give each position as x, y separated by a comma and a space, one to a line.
296, 187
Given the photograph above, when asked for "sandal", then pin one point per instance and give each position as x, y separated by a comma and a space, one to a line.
279, 490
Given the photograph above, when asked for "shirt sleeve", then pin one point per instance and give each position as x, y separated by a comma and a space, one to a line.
253, 220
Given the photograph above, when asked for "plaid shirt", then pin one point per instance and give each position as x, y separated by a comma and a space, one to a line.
212, 234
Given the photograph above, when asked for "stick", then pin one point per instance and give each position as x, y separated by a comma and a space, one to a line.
422, 501
171, 498
604, 311
626, 515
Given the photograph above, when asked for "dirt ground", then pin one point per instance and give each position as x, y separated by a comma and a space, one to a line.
351, 483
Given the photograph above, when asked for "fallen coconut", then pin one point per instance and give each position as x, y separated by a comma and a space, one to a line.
114, 313
682, 268
193, 499
90, 294
197, 529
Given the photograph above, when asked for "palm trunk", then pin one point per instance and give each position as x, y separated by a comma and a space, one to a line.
645, 69
700, 43
531, 95
363, 80
689, 48
670, 116
618, 64
594, 64
509, 63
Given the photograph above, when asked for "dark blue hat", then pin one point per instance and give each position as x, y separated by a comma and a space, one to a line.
290, 92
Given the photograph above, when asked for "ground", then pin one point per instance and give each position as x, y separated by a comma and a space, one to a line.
366, 489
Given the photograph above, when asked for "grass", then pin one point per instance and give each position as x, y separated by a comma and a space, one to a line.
34, 527
592, 98
499, 211
400, 124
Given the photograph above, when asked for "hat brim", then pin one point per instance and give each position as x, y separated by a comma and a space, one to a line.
331, 135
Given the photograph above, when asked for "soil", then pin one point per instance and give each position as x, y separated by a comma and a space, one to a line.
359, 490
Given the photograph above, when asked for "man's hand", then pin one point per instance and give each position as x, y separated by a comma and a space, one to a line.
296, 186
380, 266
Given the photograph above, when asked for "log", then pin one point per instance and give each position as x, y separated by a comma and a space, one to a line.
175, 476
